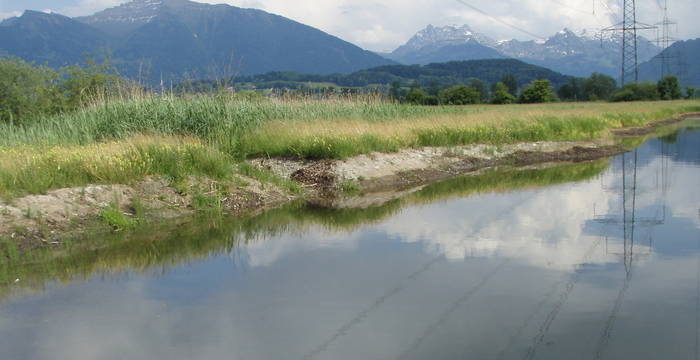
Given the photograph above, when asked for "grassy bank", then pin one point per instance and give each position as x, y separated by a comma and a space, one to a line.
129, 139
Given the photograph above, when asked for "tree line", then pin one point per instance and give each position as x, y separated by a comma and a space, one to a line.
597, 87
28, 91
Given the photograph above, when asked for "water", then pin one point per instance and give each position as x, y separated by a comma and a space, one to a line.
590, 261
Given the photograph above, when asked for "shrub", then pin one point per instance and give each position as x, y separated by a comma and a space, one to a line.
460, 95
416, 96
637, 92
669, 88
501, 95
539, 91
598, 87
28, 91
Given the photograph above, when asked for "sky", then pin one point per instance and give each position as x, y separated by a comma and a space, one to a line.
383, 25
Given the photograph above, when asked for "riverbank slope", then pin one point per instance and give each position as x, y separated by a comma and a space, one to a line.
117, 165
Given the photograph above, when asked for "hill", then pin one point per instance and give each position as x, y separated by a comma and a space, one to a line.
682, 62
169, 38
49, 38
442, 74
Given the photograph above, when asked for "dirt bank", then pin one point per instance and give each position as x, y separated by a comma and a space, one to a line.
379, 172
48, 220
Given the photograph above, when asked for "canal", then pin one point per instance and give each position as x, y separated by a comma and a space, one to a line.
597, 260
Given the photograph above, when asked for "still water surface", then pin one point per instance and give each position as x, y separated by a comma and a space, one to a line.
590, 261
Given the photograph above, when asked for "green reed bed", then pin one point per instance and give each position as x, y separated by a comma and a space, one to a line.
125, 140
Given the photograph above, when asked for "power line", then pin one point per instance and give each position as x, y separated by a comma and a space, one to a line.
482, 12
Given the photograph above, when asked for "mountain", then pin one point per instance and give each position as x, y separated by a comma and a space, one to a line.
169, 38
577, 54
49, 38
566, 52
442, 74
682, 62
443, 44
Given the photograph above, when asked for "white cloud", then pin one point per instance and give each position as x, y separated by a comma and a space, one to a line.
88, 7
5, 15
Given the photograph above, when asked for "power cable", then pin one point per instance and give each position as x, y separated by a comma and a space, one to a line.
515, 27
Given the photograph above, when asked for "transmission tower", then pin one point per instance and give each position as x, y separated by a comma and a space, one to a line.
629, 28
664, 41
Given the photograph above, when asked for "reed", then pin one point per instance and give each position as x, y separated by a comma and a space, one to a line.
138, 134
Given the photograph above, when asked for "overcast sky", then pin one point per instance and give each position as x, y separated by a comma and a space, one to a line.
382, 25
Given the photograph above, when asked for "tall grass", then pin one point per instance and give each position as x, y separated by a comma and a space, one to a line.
206, 134
35, 170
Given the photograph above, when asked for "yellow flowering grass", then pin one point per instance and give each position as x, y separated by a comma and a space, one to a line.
36, 169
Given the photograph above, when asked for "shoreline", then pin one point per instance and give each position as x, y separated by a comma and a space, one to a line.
40, 221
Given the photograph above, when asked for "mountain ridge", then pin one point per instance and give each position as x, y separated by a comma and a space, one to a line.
175, 39
566, 51
680, 63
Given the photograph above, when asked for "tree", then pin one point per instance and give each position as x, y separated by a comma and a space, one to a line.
431, 100
416, 96
511, 84
645, 91
690, 92
539, 91
598, 87
669, 88
460, 95
433, 88
26, 91
501, 95
85, 85
571, 91
479, 86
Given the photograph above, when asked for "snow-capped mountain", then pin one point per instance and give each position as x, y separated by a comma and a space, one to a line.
446, 35
566, 51
447, 43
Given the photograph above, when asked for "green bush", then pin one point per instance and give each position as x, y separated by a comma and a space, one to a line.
669, 88
29, 91
598, 87
539, 91
416, 96
637, 92
460, 95
501, 95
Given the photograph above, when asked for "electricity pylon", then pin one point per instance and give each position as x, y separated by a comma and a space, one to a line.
629, 28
